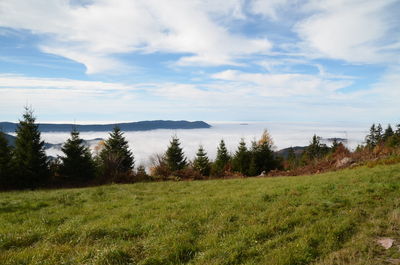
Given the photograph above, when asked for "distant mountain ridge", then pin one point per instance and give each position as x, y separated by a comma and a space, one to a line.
298, 150
127, 126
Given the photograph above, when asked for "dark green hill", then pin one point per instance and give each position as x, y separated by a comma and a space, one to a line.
129, 126
298, 150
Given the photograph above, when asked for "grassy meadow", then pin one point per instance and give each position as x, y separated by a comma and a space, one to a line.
332, 218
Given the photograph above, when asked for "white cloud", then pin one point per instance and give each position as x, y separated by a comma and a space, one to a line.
234, 95
93, 33
269, 8
24, 82
284, 85
387, 90
356, 31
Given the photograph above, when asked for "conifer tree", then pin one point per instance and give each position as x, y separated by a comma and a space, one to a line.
141, 174
201, 163
291, 158
77, 163
254, 154
241, 159
174, 156
394, 139
222, 158
335, 144
379, 133
315, 149
29, 154
388, 133
116, 157
263, 158
370, 139
397, 129
5, 163
375, 136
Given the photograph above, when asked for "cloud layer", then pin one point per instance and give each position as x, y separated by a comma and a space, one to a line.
204, 59
91, 34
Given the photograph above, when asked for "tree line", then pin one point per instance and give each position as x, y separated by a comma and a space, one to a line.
26, 166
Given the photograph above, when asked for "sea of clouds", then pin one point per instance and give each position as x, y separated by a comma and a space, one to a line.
147, 143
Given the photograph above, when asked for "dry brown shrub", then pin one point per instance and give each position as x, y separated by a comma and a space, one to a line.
340, 152
188, 174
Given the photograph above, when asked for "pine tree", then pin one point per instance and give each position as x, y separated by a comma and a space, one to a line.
335, 144
241, 159
254, 164
77, 164
174, 156
394, 139
379, 133
29, 155
370, 138
375, 136
5, 163
388, 133
263, 158
141, 174
397, 130
201, 163
315, 150
116, 158
222, 159
291, 158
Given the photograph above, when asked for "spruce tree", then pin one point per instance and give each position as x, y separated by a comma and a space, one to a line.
263, 158
116, 157
174, 156
201, 163
29, 155
77, 163
241, 159
291, 158
141, 174
375, 136
254, 167
388, 133
5, 163
222, 153
222, 158
315, 150
394, 139
379, 133
335, 144
370, 138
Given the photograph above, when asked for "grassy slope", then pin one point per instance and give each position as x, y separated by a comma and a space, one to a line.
331, 218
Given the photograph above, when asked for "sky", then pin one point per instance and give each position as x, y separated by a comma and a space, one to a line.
212, 60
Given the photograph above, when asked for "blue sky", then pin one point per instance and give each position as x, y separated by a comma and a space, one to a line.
215, 60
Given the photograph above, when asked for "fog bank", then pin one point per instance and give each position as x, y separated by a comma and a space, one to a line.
146, 143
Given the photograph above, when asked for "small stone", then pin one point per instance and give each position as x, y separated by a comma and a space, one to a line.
385, 242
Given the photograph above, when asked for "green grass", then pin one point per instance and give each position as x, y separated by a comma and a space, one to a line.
332, 218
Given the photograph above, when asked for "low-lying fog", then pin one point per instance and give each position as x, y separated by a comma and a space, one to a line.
146, 143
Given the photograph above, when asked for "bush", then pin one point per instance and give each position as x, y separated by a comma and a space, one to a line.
141, 174
187, 173
158, 167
